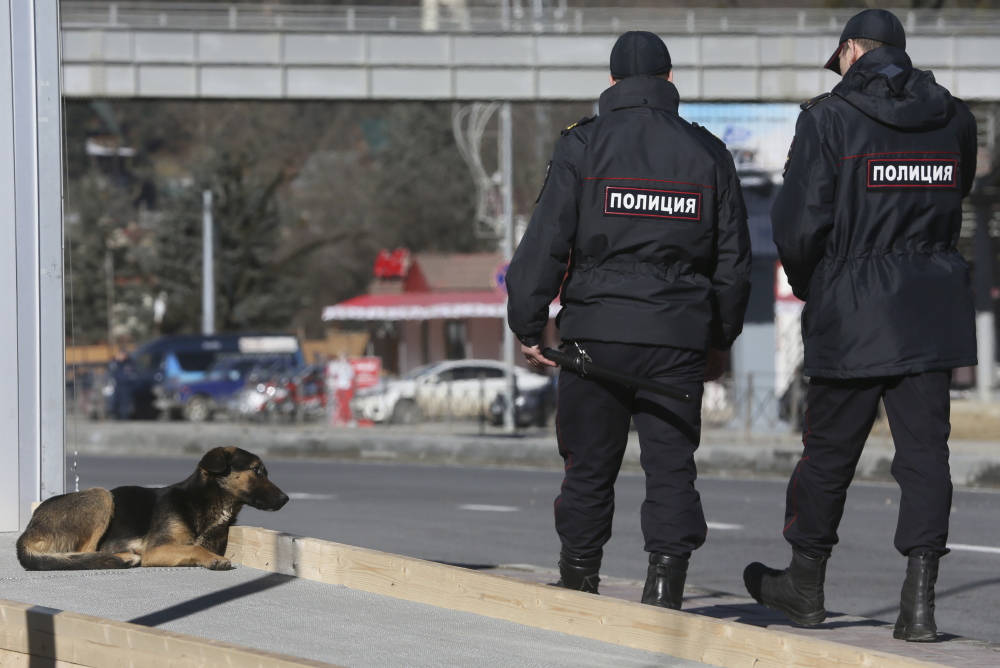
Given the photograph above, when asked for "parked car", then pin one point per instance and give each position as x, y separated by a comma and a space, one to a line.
200, 400
454, 389
531, 407
128, 390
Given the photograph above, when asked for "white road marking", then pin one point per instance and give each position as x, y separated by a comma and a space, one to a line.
721, 526
974, 548
492, 509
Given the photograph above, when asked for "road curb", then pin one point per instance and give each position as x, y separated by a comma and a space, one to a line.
722, 453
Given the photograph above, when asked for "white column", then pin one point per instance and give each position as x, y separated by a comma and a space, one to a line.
32, 335
208, 265
507, 170
9, 488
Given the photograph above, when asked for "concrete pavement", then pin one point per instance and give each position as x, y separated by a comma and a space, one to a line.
302, 618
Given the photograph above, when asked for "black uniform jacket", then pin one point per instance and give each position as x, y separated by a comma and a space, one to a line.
868, 220
643, 217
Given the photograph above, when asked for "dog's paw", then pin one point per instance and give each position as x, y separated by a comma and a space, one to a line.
130, 559
218, 564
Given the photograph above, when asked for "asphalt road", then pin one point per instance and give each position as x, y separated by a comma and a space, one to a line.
480, 516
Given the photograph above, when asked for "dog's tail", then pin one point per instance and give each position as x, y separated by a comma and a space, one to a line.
64, 532
33, 560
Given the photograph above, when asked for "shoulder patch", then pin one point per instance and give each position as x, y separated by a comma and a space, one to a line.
582, 121
708, 132
813, 102
788, 158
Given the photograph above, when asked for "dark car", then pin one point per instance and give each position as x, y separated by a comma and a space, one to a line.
199, 400
531, 407
128, 390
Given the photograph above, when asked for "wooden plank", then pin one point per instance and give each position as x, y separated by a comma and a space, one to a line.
679, 634
10, 659
72, 639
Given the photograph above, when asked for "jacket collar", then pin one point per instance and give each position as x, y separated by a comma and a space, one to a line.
888, 61
640, 91
884, 85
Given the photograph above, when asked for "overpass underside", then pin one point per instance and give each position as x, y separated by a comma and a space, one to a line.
225, 52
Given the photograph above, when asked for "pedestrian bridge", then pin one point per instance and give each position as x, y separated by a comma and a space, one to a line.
213, 51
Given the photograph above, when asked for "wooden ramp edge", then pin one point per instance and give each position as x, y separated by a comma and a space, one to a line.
32, 635
678, 634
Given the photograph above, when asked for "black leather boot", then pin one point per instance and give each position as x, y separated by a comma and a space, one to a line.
579, 574
665, 581
916, 602
796, 591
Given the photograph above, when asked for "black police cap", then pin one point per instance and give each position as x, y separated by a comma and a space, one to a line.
639, 52
878, 24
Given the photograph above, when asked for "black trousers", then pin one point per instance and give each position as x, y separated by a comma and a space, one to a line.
592, 424
839, 417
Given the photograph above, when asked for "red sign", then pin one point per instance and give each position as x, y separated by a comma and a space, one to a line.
367, 371
395, 264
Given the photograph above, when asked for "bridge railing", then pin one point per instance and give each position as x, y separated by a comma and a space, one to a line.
320, 18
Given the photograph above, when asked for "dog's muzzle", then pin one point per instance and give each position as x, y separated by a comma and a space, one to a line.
271, 500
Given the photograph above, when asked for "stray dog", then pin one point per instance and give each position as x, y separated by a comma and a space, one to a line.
185, 524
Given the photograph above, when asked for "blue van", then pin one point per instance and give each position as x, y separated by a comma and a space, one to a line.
128, 391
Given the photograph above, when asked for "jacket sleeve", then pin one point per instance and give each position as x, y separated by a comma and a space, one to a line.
731, 275
802, 214
539, 264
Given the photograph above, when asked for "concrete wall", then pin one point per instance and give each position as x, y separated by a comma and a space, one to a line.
123, 62
486, 338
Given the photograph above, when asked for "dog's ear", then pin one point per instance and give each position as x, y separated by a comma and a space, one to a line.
215, 461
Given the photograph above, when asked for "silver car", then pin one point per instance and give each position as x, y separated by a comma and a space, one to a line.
458, 389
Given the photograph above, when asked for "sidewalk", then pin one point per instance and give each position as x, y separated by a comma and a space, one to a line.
871, 634
722, 452
299, 606
297, 617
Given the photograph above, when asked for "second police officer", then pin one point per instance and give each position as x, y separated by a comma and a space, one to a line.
866, 226
642, 231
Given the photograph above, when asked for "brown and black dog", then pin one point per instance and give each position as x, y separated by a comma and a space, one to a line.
185, 524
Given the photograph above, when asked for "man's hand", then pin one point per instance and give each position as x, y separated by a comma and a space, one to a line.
716, 362
534, 356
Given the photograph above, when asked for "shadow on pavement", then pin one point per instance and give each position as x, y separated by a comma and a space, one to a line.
471, 567
938, 594
212, 600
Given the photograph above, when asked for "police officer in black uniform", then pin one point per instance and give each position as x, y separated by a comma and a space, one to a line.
641, 229
866, 226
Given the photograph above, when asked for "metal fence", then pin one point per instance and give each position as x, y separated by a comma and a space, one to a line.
751, 404
747, 404
502, 17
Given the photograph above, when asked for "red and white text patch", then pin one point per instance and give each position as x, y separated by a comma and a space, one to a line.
652, 203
